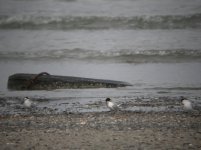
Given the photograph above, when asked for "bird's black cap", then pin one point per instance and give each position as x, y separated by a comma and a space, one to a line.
182, 98
108, 99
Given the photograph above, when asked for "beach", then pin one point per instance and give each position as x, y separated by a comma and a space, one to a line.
152, 45
103, 130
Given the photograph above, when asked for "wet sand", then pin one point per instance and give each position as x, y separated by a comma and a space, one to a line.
102, 130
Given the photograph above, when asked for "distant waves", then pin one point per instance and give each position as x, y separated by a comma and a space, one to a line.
100, 22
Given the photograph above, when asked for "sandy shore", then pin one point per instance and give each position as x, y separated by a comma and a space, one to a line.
103, 130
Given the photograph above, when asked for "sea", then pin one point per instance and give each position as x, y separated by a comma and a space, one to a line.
153, 44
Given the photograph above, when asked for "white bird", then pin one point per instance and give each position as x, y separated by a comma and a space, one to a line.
111, 105
28, 103
187, 105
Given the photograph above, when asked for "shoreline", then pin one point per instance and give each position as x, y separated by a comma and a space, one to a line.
98, 130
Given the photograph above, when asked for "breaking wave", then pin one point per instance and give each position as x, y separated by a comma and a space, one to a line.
126, 56
99, 22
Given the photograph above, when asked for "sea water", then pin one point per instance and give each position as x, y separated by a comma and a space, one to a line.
152, 44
